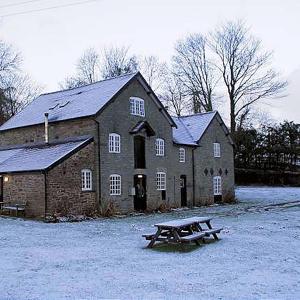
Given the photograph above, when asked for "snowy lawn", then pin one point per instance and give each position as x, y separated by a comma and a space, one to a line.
258, 256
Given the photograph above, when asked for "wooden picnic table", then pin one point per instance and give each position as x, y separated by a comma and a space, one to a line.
183, 231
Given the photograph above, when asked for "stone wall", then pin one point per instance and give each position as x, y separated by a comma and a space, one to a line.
64, 192
28, 187
57, 131
207, 166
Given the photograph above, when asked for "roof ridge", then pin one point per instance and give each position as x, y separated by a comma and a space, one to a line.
89, 84
197, 114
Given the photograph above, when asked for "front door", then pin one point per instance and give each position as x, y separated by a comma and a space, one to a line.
1, 188
140, 198
183, 190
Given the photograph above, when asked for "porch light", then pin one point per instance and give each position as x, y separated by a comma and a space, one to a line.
6, 179
140, 176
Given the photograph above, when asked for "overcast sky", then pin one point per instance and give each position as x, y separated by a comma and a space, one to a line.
52, 40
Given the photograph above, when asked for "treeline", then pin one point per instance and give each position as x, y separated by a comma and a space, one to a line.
274, 147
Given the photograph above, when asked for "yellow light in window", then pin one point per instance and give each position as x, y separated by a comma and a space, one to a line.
6, 179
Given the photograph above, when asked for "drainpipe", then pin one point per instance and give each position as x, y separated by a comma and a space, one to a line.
46, 128
46, 193
193, 170
99, 161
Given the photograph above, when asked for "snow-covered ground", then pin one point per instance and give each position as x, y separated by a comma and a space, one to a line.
258, 256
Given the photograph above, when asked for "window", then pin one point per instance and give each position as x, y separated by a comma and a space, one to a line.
86, 180
161, 181
114, 143
181, 155
217, 150
160, 147
217, 183
137, 107
115, 185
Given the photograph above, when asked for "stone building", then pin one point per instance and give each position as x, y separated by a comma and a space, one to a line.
112, 145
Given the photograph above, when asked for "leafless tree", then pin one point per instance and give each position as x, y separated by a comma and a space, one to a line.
195, 70
16, 88
116, 61
19, 90
10, 60
154, 72
174, 97
245, 69
87, 70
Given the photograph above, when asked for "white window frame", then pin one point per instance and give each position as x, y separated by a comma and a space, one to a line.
115, 185
217, 185
217, 150
161, 181
160, 147
114, 143
181, 155
137, 106
86, 180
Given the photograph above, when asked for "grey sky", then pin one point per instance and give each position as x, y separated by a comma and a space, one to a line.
52, 40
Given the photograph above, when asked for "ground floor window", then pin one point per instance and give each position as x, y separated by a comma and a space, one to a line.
86, 180
161, 181
115, 185
217, 185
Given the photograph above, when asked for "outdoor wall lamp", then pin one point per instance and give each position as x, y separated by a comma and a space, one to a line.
6, 179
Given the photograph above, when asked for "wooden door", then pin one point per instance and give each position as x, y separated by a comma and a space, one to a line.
183, 190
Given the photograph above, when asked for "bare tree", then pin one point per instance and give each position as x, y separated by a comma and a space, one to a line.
10, 60
154, 72
18, 91
116, 61
194, 69
174, 96
245, 69
87, 70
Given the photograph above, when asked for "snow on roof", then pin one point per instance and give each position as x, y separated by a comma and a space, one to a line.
191, 128
36, 158
68, 104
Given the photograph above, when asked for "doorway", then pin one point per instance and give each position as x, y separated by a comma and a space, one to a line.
183, 190
140, 197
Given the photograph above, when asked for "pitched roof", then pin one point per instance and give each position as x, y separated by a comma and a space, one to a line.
69, 104
78, 102
190, 129
38, 157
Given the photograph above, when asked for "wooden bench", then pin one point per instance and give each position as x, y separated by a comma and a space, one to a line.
14, 206
193, 237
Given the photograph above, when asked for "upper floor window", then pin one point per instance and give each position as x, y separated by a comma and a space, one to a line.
114, 143
137, 106
181, 155
160, 147
217, 150
115, 185
161, 181
86, 180
217, 185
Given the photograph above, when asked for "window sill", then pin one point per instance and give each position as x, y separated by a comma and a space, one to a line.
88, 191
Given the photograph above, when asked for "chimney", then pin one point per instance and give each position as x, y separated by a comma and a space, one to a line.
46, 128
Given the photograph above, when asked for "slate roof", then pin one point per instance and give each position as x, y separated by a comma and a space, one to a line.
38, 157
69, 104
191, 128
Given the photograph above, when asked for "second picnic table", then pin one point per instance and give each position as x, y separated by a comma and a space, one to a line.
183, 231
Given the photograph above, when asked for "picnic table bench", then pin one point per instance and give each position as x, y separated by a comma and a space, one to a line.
183, 231
18, 206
